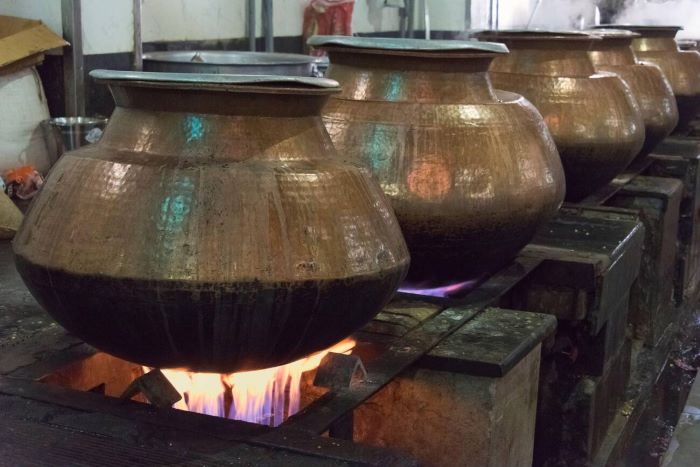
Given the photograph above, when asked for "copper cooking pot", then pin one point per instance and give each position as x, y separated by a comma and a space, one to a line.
682, 68
593, 116
212, 227
471, 172
649, 85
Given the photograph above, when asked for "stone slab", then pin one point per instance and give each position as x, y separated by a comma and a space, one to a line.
591, 258
491, 343
658, 201
575, 412
679, 158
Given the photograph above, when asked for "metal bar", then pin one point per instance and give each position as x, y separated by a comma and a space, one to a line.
426, 19
250, 24
496, 13
343, 428
73, 61
320, 415
411, 6
268, 29
138, 40
532, 15
183, 427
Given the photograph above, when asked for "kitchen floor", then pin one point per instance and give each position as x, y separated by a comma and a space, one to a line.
684, 449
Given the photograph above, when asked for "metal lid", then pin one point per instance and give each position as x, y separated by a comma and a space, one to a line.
214, 79
407, 45
535, 34
640, 27
646, 31
219, 57
613, 33
76, 121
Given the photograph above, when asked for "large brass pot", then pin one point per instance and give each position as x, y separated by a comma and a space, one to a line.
471, 172
649, 85
682, 68
593, 117
211, 228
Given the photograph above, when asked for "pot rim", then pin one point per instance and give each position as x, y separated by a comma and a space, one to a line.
535, 35
390, 44
229, 57
610, 34
227, 82
641, 28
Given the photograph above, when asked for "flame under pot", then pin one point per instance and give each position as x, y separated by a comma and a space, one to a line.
471, 172
593, 116
211, 228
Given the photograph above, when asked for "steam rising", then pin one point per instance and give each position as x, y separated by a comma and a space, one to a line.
549, 14
581, 14
669, 13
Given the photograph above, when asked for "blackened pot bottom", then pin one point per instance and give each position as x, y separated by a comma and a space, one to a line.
209, 327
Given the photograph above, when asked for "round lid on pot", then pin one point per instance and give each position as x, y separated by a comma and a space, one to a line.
230, 82
228, 57
398, 46
539, 39
645, 30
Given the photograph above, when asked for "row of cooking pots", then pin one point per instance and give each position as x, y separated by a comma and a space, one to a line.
215, 227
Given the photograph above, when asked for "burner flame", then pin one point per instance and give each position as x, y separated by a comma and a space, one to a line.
450, 290
266, 396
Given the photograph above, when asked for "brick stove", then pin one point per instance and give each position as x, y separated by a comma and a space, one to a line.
448, 380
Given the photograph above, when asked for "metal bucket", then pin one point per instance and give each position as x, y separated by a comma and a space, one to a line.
230, 62
67, 133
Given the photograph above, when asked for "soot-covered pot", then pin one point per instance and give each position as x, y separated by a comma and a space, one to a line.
593, 116
212, 227
471, 172
657, 45
647, 82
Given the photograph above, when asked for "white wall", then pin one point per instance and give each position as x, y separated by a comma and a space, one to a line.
180, 20
48, 11
445, 15
107, 26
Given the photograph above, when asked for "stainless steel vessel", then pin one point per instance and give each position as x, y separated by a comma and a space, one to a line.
232, 62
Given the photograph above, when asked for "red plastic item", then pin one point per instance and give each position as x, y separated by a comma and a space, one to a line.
22, 182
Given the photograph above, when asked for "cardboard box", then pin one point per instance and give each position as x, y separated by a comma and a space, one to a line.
23, 43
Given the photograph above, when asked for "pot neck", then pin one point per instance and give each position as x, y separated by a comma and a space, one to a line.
212, 99
546, 58
613, 52
448, 78
654, 44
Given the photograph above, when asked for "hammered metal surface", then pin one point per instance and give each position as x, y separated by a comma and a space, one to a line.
471, 172
647, 82
682, 68
215, 242
593, 117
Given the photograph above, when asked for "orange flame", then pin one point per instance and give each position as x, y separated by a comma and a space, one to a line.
266, 396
